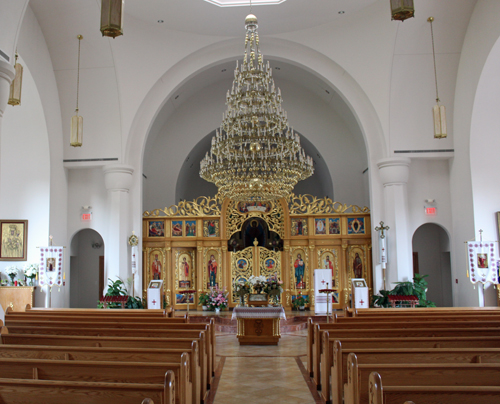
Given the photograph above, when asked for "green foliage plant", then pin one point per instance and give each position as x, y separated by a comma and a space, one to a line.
117, 288
416, 288
300, 301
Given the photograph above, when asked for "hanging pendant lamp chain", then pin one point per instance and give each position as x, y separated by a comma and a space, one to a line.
431, 19
80, 37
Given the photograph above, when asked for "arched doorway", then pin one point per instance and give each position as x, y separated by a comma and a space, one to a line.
431, 256
86, 269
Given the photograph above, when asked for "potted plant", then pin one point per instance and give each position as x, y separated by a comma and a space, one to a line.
12, 272
300, 302
242, 288
203, 300
30, 272
117, 288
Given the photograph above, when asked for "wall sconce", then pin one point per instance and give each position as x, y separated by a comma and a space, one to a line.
96, 245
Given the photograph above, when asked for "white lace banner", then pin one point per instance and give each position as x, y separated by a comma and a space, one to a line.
482, 257
51, 263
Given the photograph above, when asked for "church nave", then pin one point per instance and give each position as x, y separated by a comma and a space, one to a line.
266, 374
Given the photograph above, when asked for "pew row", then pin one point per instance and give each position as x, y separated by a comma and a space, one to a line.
422, 311
113, 312
62, 392
388, 394
335, 366
156, 332
110, 354
102, 372
425, 375
117, 342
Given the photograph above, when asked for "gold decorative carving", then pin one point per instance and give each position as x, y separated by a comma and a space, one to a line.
241, 268
202, 206
264, 256
274, 218
311, 205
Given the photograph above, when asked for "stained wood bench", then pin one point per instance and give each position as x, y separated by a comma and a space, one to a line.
431, 374
209, 332
334, 366
169, 312
110, 354
103, 372
315, 330
396, 342
415, 318
117, 342
388, 394
423, 311
62, 392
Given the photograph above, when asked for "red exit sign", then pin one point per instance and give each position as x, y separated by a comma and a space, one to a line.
86, 217
430, 210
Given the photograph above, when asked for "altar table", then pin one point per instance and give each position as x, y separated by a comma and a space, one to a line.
258, 325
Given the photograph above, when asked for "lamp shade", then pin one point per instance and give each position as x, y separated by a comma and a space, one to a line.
402, 9
112, 18
15, 87
440, 130
76, 130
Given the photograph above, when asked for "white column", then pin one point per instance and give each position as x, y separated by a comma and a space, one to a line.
7, 74
118, 179
394, 173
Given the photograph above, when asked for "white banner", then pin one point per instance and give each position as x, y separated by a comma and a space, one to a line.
482, 258
51, 265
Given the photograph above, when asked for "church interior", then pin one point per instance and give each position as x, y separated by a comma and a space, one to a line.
168, 152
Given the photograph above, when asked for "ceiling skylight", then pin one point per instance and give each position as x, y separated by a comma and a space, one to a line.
236, 3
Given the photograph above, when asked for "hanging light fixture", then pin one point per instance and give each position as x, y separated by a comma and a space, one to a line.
439, 111
255, 156
112, 18
16, 85
77, 120
402, 9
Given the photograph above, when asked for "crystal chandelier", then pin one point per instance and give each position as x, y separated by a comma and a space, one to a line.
255, 156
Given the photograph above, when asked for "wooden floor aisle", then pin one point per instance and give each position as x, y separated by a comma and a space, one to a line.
262, 374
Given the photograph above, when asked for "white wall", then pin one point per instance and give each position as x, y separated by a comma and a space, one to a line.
25, 170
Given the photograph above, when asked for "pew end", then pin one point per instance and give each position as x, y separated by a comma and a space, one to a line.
169, 387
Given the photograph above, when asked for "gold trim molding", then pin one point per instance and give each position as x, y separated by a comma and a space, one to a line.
311, 205
202, 206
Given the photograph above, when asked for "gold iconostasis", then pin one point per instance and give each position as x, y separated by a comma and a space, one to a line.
207, 243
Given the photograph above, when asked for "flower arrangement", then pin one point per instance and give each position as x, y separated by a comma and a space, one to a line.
257, 282
12, 272
242, 287
217, 298
203, 299
273, 285
300, 301
30, 271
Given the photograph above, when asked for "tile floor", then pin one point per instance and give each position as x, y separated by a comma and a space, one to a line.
263, 374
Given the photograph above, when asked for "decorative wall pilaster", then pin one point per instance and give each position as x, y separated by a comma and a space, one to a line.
394, 173
118, 179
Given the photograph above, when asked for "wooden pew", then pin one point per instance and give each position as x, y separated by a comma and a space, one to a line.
168, 312
335, 365
388, 394
423, 311
409, 318
103, 372
133, 332
109, 354
116, 342
63, 392
314, 338
95, 318
430, 374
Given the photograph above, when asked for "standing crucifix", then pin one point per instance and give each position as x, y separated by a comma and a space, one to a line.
383, 248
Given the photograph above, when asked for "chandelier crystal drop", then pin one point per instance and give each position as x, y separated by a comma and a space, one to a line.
255, 156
